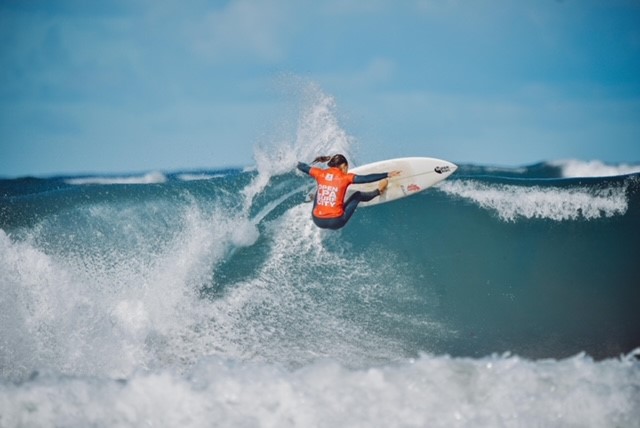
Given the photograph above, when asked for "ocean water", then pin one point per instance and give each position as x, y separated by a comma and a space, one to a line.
501, 297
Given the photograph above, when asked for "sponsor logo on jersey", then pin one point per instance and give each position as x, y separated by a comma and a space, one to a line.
327, 195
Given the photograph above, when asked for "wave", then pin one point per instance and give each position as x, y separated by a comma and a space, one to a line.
145, 275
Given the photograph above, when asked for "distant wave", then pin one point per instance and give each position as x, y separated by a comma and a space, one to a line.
197, 176
154, 177
595, 168
568, 168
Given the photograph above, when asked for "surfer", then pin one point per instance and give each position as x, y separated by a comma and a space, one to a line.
330, 210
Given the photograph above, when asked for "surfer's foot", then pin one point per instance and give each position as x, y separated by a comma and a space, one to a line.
382, 186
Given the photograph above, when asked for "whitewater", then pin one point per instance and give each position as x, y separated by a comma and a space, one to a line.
501, 297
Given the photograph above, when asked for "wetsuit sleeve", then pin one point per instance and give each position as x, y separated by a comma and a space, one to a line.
304, 167
369, 178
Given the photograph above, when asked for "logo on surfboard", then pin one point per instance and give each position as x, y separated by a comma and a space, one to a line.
441, 169
410, 188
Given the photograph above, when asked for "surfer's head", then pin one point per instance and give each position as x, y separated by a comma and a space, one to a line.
335, 161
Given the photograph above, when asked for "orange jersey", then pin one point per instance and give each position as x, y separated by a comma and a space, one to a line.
332, 186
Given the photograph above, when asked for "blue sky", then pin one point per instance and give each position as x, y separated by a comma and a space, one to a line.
138, 85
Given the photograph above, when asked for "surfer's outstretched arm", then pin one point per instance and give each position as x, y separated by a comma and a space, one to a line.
304, 167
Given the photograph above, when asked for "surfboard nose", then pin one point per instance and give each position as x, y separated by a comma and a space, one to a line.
445, 168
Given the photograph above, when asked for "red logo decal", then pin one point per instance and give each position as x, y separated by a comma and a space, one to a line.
413, 187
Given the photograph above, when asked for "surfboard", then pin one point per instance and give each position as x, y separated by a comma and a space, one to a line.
416, 175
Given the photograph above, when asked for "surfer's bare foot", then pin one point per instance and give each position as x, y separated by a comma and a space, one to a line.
382, 186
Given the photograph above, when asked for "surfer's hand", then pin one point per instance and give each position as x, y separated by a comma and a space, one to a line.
393, 174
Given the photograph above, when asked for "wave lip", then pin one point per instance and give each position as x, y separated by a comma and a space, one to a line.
511, 201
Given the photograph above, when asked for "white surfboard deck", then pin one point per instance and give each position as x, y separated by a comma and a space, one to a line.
416, 175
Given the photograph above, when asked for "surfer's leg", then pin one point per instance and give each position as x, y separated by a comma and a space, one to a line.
358, 197
352, 202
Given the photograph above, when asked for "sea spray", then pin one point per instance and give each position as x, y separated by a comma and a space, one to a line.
318, 133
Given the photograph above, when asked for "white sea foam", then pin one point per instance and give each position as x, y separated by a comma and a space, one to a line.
429, 391
577, 168
148, 178
127, 300
511, 202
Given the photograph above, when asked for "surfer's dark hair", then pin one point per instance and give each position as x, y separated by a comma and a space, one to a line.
332, 161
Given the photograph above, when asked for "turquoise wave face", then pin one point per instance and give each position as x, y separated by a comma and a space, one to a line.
109, 275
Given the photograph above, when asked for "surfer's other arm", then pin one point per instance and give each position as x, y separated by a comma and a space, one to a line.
370, 178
